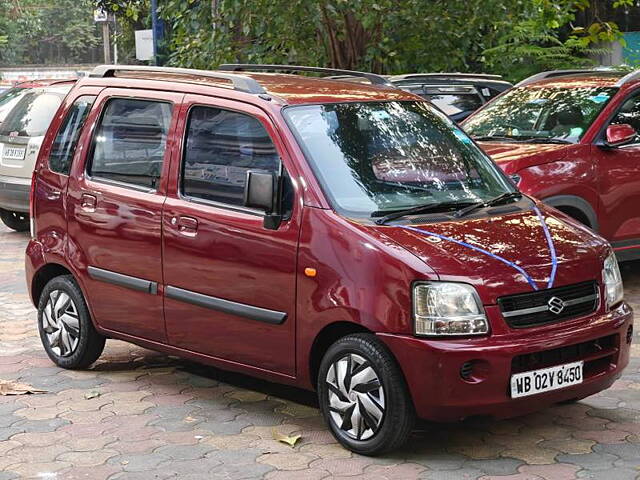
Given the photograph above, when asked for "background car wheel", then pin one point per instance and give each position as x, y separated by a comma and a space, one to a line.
363, 396
65, 326
17, 221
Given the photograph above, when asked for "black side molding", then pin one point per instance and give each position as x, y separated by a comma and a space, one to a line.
122, 280
214, 303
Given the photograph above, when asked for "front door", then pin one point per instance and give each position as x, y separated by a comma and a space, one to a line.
115, 209
230, 282
619, 174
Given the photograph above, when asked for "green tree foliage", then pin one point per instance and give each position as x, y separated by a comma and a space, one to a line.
41, 31
512, 37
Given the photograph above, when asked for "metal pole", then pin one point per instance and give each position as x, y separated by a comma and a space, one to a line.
115, 40
157, 28
105, 42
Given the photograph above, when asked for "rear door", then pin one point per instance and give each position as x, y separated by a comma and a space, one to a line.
114, 205
230, 282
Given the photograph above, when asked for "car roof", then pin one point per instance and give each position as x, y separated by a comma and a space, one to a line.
287, 89
590, 79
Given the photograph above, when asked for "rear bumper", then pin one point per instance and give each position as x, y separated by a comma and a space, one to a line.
432, 367
14, 193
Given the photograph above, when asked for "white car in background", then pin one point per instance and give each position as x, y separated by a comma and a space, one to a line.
27, 113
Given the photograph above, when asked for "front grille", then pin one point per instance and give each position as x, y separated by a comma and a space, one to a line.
541, 307
597, 353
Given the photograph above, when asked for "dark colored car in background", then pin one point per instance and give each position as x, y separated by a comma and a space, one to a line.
24, 118
456, 94
570, 138
335, 236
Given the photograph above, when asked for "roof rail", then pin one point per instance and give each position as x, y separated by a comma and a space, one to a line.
635, 75
373, 78
241, 83
560, 73
409, 76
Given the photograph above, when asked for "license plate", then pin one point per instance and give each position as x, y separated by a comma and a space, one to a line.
13, 153
546, 379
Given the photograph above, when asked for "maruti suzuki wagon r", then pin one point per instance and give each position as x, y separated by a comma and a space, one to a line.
331, 235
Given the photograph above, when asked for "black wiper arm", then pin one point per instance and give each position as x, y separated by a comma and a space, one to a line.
427, 207
548, 140
489, 203
488, 138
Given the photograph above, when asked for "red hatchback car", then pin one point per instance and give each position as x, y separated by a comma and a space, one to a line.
336, 236
570, 138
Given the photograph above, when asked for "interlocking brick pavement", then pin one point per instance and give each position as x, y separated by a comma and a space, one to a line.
159, 417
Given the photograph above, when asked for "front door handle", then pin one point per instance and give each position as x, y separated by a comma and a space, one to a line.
187, 226
88, 202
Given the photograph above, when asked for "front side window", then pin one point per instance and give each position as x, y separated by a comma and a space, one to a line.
540, 114
374, 158
629, 113
32, 114
130, 142
221, 146
64, 144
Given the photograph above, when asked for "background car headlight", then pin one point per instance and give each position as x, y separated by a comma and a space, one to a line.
612, 281
443, 308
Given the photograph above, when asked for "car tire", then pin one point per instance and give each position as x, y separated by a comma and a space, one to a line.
66, 330
363, 396
17, 221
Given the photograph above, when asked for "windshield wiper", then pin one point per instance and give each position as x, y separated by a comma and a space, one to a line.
489, 203
488, 138
426, 208
546, 140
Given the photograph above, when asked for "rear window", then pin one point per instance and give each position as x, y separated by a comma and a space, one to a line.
454, 103
31, 116
9, 99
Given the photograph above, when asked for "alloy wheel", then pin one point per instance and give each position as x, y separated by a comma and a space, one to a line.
61, 324
356, 397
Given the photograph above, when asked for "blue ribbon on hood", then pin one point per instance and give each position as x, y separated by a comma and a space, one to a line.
522, 271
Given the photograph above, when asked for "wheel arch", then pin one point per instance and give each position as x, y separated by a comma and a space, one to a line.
325, 338
575, 207
43, 276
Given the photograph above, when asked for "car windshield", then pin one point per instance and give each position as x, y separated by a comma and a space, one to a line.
535, 113
31, 115
9, 99
374, 158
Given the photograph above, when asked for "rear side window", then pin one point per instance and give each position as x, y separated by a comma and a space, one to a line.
221, 147
31, 115
65, 142
130, 142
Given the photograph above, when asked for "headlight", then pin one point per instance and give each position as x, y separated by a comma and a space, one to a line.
612, 281
442, 308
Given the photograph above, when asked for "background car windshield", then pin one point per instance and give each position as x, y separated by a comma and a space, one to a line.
377, 157
33, 113
9, 99
552, 113
454, 103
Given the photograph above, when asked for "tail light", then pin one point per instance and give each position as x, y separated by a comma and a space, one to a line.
32, 205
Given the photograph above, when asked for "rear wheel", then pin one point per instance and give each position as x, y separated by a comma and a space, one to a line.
66, 330
363, 396
17, 221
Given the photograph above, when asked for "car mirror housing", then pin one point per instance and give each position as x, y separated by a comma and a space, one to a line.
260, 192
619, 135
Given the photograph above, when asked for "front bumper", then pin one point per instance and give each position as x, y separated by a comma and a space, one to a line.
432, 366
14, 193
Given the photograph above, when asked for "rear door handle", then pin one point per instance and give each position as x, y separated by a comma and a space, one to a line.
187, 226
88, 202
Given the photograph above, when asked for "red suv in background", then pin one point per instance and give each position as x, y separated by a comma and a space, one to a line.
336, 236
570, 138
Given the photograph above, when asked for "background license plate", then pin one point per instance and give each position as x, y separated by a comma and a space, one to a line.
546, 379
13, 153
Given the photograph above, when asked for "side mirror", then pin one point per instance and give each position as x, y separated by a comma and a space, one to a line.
260, 191
619, 135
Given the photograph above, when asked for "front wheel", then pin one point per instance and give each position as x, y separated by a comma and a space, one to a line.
66, 330
363, 396
17, 221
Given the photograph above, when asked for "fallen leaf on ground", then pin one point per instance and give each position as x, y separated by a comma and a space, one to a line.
92, 394
8, 387
290, 440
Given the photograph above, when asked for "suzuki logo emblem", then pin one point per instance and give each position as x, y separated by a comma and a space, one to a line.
13, 134
556, 305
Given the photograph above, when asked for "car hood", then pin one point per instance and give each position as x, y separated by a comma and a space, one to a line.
518, 238
515, 156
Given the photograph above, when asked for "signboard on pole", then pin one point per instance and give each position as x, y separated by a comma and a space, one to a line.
100, 15
144, 44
